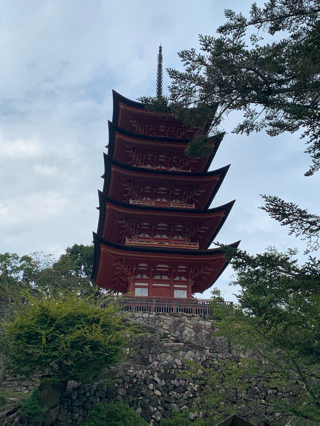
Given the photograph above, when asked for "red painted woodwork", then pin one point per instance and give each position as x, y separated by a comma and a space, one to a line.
165, 154
140, 225
155, 225
124, 269
137, 185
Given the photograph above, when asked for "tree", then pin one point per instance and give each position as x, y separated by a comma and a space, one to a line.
66, 338
301, 223
277, 319
40, 273
273, 79
15, 273
82, 256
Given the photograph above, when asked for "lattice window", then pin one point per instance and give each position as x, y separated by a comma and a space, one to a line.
161, 272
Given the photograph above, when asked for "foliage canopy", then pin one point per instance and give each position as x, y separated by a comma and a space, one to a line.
267, 66
38, 273
69, 338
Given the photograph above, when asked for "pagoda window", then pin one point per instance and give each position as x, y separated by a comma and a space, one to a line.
162, 225
180, 273
141, 276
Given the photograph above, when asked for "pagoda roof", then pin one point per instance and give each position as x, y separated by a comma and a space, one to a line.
122, 141
205, 224
115, 263
132, 116
201, 187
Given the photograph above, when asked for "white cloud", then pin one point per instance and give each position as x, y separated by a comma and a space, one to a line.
20, 148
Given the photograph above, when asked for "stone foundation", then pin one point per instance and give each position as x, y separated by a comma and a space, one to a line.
155, 378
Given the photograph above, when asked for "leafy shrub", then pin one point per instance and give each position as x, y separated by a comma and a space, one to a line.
32, 409
70, 338
177, 419
114, 414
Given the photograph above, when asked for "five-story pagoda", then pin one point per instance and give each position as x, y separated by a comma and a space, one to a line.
155, 224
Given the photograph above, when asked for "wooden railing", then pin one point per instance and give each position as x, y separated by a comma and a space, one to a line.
168, 305
163, 241
178, 204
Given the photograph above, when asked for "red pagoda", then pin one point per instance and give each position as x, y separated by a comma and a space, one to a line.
155, 224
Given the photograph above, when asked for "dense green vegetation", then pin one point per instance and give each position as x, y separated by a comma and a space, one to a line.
266, 66
114, 414
41, 274
69, 338
54, 323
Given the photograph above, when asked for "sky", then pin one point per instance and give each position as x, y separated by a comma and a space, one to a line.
60, 60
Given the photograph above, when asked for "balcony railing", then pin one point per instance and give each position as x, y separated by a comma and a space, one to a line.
168, 305
178, 204
162, 241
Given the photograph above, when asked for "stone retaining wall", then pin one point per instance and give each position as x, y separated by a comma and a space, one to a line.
155, 379
186, 328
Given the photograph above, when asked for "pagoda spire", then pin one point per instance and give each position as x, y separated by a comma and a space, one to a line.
159, 73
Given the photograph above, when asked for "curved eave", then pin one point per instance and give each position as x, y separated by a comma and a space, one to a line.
108, 162
117, 98
152, 252
113, 128
138, 109
137, 209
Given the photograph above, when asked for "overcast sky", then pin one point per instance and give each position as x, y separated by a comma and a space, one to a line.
60, 60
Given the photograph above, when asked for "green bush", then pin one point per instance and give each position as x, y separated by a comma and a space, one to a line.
32, 409
177, 419
69, 337
114, 414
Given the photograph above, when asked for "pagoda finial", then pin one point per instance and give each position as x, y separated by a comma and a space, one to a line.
159, 73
